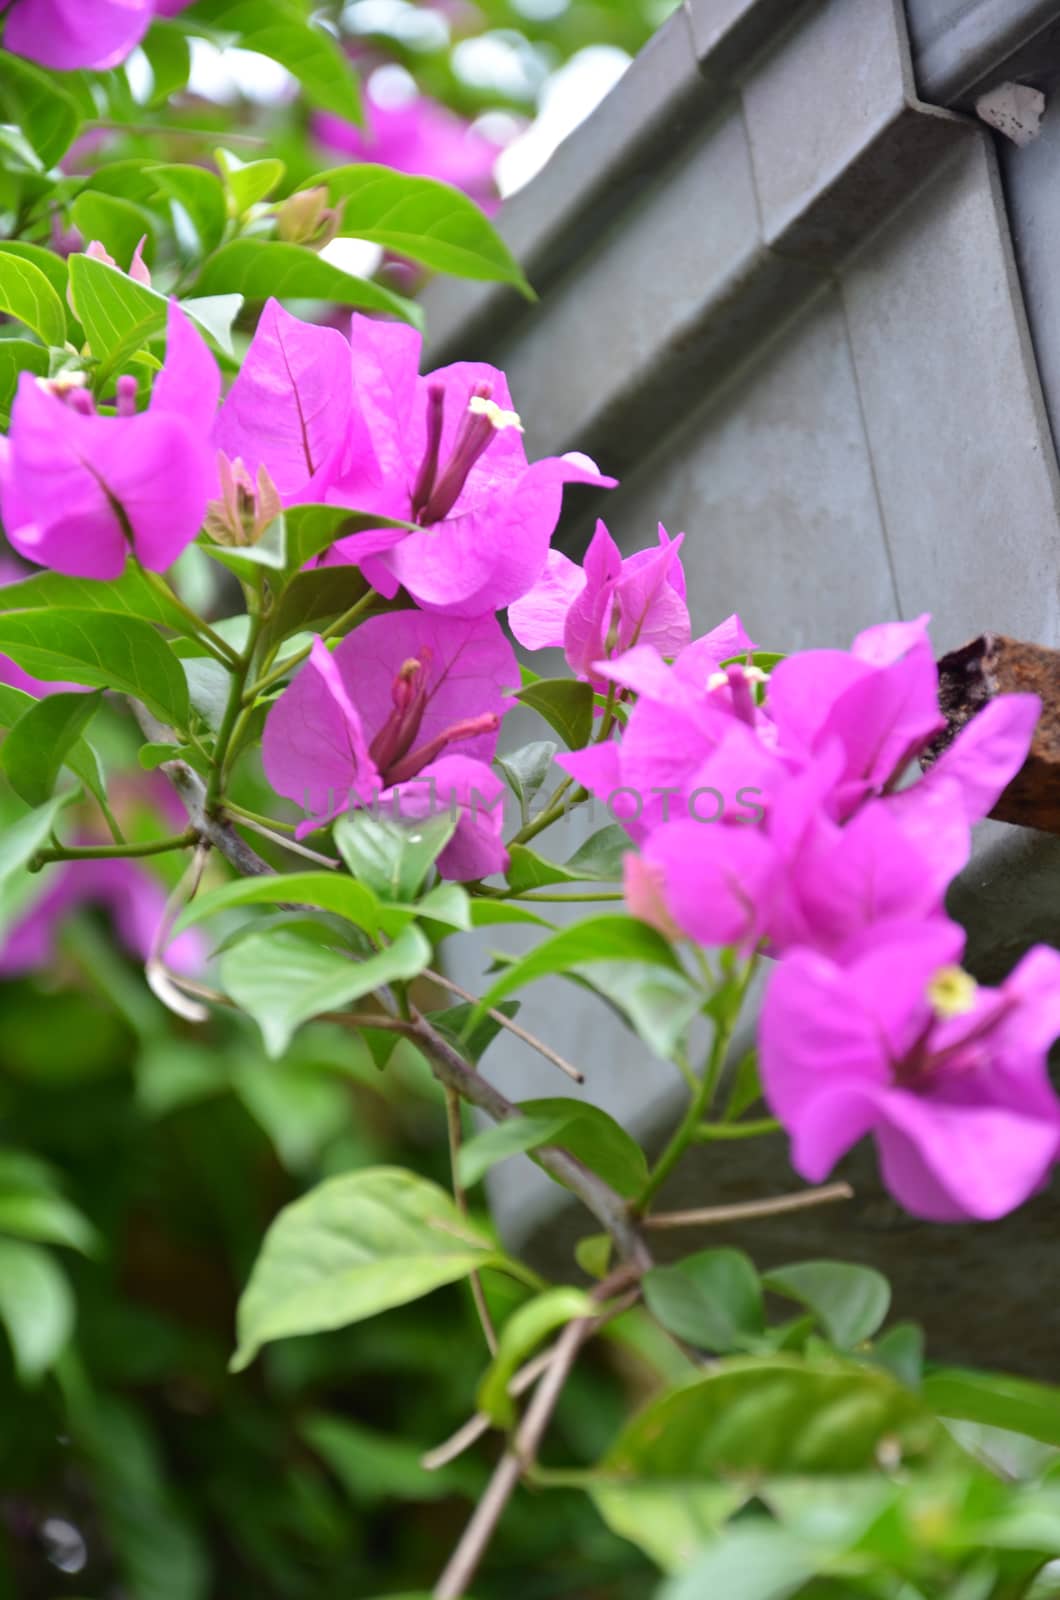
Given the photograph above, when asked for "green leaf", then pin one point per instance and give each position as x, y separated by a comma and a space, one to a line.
453, 1020
848, 1301
260, 268
996, 1399
524, 1330
36, 102
119, 225
525, 770
565, 705
36, 1307
53, 267
712, 1300
597, 940
215, 314
599, 859
247, 182
202, 196
314, 58
755, 1561
40, 741
281, 981
330, 891
597, 1140
376, 1466
27, 295
100, 650
593, 1254
694, 1455
312, 528
47, 1219
117, 313
422, 219
20, 841
16, 356
169, 55
393, 858
131, 595
351, 1248
512, 1137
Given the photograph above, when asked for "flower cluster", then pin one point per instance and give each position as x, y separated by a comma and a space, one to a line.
769, 804
839, 868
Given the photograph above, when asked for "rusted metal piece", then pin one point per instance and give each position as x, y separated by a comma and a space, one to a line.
969, 678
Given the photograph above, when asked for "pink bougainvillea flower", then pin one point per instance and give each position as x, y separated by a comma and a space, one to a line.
421, 137
289, 409
80, 491
132, 897
682, 716
374, 723
607, 606
70, 34
949, 1078
445, 452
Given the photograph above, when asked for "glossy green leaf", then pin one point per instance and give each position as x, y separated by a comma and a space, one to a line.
202, 196
330, 891
17, 356
39, 743
393, 858
27, 295
565, 705
282, 32
53, 267
351, 1248
260, 268
525, 770
117, 313
20, 840
849, 1301
36, 102
282, 981
712, 1300
422, 219
525, 1329
514, 1136
755, 1561
597, 1140
117, 224
597, 940
36, 1307
131, 595
168, 52
46, 1219
996, 1399
247, 182
100, 650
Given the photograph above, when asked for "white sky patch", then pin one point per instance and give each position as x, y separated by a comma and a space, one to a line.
359, 257
503, 61
413, 26
567, 99
228, 75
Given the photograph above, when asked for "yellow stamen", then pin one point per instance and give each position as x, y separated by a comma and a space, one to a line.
952, 992
499, 418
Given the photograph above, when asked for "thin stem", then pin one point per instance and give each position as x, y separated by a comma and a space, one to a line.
214, 643
747, 1210
289, 663
106, 852
566, 899
279, 839
456, 1135
241, 813
553, 811
151, 128
232, 720
699, 1104
464, 1562
513, 1027
708, 1132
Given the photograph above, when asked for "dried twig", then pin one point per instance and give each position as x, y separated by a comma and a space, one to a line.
747, 1210
531, 1039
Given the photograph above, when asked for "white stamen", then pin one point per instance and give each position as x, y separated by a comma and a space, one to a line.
720, 680
500, 418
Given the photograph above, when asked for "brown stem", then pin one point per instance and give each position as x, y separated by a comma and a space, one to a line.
747, 1210
531, 1039
463, 1564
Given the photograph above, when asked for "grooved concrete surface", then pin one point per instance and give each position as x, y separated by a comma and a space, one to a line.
855, 434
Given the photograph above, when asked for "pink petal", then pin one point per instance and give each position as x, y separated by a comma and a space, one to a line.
474, 792
67, 34
289, 407
189, 383
314, 748
987, 754
538, 619
718, 881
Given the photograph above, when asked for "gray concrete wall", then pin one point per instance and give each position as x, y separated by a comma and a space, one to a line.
807, 316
